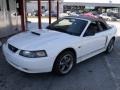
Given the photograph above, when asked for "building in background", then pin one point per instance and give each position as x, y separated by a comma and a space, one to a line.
9, 17
32, 6
79, 6
11, 13
101, 6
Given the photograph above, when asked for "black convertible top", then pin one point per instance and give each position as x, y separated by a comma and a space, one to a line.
90, 18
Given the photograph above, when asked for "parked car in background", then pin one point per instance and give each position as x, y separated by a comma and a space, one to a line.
64, 43
114, 14
90, 14
53, 14
108, 18
14, 13
63, 15
35, 12
73, 14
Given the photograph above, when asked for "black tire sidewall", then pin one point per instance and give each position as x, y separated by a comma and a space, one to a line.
56, 63
113, 41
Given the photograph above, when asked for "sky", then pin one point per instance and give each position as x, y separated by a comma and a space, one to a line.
93, 1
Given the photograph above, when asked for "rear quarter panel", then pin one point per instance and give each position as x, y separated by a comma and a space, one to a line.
111, 32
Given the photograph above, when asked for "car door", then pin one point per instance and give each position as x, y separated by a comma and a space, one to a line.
92, 40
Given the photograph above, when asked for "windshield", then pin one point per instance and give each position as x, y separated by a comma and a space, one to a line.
69, 25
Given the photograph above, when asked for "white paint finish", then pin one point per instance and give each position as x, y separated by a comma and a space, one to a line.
22, 63
91, 43
54, 43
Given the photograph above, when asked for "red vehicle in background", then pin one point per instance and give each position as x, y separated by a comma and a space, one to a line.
90, 14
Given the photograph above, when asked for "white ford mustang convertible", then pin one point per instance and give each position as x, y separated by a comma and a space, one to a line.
60, 46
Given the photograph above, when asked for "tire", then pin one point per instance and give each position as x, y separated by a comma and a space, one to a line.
0, 44
110, 46
64, 63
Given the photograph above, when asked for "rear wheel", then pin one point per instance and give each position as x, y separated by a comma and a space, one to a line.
110, 46
64, 63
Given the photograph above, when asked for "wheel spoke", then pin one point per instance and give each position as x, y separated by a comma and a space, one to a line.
62, 67
61, 63
110, 47
68, 60
66, 63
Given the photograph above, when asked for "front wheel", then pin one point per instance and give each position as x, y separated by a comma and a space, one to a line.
110, 46
64, 63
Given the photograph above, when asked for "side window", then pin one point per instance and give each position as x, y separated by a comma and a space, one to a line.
102, 26
92, 29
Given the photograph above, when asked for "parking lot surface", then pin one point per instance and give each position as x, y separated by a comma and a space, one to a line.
101, 72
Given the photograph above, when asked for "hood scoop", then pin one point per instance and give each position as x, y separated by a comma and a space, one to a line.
35, 33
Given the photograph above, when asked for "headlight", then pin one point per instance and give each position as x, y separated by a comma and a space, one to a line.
33, 54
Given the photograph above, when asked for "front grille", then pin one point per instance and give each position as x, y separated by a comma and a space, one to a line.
12, 48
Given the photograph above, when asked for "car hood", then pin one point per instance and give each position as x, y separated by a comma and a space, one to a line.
31, 41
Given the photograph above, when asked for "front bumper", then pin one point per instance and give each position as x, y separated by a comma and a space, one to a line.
28, 65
